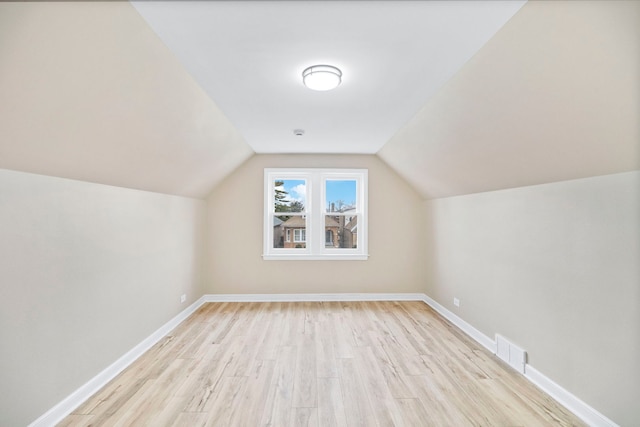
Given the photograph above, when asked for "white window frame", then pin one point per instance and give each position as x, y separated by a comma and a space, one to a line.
315, 212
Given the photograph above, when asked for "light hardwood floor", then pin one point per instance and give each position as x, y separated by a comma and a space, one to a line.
319, 364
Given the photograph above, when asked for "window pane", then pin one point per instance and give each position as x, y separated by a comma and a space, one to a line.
341, 231
290, 195
294, 231
340, 195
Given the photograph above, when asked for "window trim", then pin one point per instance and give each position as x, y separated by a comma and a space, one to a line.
315, 212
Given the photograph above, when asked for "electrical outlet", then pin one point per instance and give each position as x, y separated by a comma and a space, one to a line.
183, 297
456, 302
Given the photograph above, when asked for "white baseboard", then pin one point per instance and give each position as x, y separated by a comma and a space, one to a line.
75, 399
481, 338
583, 411
65, 407
312, 297
567, 399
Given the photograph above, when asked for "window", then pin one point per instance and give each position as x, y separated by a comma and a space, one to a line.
315, 214
299, 235
328, 241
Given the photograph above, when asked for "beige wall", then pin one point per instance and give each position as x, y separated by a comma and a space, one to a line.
555, 268
553, 96
235, 220
87, 271
88, 91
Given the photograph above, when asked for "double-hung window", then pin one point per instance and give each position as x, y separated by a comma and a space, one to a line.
315, 214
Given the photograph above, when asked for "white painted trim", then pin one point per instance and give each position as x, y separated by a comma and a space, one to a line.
567, 399
582, 410
306, 257
311, 297
481, 338
75, 399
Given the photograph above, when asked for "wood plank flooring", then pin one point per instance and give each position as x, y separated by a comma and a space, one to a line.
319, 364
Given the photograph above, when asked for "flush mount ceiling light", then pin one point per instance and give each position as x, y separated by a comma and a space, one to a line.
321, 77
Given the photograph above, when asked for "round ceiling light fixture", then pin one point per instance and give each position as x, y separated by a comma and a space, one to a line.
322, 77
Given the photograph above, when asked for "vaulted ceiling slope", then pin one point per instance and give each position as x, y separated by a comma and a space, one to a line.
89, 92
249, 57
554, 96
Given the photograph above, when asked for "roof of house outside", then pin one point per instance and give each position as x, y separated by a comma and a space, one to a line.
300, 222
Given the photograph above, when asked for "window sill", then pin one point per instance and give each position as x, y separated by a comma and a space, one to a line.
306, 257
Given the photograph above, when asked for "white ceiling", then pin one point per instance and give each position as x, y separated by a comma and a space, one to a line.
248, 56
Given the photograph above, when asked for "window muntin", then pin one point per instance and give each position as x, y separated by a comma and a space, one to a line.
315, 214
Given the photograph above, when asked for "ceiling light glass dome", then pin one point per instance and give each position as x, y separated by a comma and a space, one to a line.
321, 77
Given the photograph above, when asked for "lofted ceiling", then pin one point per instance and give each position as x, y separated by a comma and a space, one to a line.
456, 96
394, 55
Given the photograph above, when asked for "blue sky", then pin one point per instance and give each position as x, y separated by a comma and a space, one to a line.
341, 190
336, 190
296, 188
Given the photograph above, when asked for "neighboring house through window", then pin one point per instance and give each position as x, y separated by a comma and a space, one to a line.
328, 238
